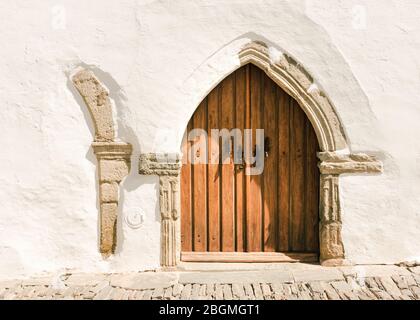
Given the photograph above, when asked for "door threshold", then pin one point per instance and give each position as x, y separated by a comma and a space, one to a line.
249, 257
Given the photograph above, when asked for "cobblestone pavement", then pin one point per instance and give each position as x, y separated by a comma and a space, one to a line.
280, 283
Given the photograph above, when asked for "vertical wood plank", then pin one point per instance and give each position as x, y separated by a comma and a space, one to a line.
246, 177
228, 197
270, 165
254, 205
186, 214
213, 174
240, 105
312, 191
199, 183
283, 105
297, 167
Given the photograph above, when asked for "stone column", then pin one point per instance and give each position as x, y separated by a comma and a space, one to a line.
331, 243
332, 165
167, 167
169, 211
113, 167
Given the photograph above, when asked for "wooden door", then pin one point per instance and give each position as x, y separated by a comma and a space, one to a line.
229, 216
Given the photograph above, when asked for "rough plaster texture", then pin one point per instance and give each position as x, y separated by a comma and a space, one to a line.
159, 59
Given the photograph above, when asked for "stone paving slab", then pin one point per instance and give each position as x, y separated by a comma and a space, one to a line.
374, 271
144, 280
415, 270
240, 277
303, 282
330, 274
86, 278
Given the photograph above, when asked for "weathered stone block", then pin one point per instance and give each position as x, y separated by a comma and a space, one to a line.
331, 243
109, 212
109, 192
96, 98
113, 170
334, 164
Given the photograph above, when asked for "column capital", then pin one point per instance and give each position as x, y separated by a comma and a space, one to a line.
337, 163
160, 164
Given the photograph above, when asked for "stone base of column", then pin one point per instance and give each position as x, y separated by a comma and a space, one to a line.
168, 239
335, 263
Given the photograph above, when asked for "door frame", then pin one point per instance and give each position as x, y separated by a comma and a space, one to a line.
335, 159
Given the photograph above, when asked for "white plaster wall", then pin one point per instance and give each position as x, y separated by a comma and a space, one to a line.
159, 59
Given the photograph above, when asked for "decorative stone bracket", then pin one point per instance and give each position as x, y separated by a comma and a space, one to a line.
113, 157
331, 166
167, 167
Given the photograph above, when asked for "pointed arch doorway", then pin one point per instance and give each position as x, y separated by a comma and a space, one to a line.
227, 216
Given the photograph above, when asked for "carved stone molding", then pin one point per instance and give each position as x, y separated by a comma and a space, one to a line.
331, 243
334, 163
160, 164
331, 166
113, 157
298, 83
167, 167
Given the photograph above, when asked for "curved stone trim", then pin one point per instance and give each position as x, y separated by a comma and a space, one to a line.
168, 168
96, 98
113, 157
293, 78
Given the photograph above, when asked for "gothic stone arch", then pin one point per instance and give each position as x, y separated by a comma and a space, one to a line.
334, 159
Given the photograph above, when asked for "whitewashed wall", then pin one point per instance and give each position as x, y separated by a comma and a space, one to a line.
159, 59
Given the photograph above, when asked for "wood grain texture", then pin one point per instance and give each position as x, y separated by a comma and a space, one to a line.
297, 178
283, 105
228, 182
199, 183
254, 200
240, 199
228, 216
270, 174
312, 191
186, 217
213, 178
